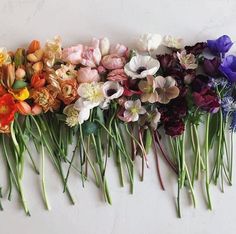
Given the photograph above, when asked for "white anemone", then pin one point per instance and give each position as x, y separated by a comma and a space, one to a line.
140, 66
112, 90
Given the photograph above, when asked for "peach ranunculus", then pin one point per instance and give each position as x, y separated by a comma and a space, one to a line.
72, 54
117, 75
87, 75
68, 91
113, 61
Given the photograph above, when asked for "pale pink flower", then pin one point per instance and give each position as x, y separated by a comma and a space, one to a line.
166, 89
133, 109
87, 75
72, 54
148, 87
91, 56
187, 61
117, 75
113, 61
119, 49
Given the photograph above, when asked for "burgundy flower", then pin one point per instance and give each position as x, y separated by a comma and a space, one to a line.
174, 127
207, 100
211, 66
196, 49
131, 87
167, 61
199, 83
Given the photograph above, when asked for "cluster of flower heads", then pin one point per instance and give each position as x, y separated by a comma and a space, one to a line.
155, 89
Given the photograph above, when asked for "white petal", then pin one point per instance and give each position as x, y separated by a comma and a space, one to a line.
129, 104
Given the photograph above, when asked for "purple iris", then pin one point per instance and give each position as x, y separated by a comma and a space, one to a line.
228, 68
220, 45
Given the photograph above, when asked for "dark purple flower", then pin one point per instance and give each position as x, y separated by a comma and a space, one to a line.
220, 45
228, 68
196, 49
199, 83
211, 66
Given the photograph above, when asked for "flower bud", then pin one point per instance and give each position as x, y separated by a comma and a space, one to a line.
20, 73
104, 46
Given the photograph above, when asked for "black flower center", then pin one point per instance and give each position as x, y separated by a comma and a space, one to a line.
110, 92
141, 69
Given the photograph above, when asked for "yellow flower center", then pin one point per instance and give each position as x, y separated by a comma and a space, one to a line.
4, 109
2, 58
134, 110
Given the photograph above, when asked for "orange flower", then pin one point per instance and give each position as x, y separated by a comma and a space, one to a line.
25, 109
38, 80
68, 91
34, 45
46, 99
7, 109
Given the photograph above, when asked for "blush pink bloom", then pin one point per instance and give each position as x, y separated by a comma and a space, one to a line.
87, 75
117, 75
119, 50
91, 56
72, 54
113, 61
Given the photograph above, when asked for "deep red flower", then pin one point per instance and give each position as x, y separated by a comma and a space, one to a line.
207, 100
211, 66
174, 127
7, 109
196, 49
131, 87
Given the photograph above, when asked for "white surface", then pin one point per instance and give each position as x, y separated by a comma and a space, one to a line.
149, 210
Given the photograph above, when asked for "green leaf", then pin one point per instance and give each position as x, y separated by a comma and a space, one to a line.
148, 140
213, 128
19, 84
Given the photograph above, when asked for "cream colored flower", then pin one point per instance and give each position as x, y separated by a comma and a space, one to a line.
187, 61
166, 89
133, 109
75, 116
149, 42
4, 56
141, 66
172, 42
148, 87
91, 95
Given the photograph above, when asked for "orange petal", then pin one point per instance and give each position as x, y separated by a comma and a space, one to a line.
23, 108
34, 45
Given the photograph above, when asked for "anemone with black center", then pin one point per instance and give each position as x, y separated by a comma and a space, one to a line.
110, 92
141, 69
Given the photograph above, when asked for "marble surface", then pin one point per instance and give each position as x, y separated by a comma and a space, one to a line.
149, 210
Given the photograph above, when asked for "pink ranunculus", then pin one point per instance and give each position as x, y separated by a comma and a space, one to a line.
113, 61
87, 75
72, 54
117, 75
119, 49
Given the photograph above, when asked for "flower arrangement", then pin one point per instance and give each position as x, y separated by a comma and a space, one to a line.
110, 101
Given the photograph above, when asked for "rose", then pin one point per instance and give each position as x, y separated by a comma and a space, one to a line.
220, 45
228, 68
113, 61
87, 75
207, 100
117, 75
73, 54
149, 42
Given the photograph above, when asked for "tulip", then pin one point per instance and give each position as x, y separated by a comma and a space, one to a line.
38, 80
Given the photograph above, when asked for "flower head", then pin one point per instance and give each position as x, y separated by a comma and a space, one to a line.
113, 61
148, 88
187, 61
87, 75
7, 109
228, 67
117, 75
141, 66
72, 54
172, 42
21, 94
66, 72
4, 56
220, 45
149, 42
166, 89
112, 90
132, 110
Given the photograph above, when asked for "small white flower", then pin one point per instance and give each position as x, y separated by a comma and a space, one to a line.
91, 95
187, 61
133, 109
75, 116
149, 42
140, 66
4, 56
112, 90
172, 42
